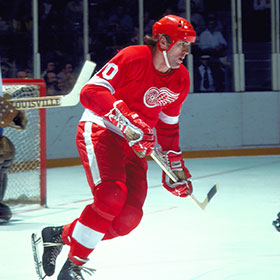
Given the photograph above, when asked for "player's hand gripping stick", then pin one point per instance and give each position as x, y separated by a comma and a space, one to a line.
138, 134
183, 186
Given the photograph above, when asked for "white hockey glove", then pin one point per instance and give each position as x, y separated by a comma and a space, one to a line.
138, 134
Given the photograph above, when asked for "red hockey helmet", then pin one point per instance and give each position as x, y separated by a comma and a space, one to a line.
177, 28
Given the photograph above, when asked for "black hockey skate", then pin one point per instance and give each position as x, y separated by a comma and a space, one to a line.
52, 242
71, 271
276, 223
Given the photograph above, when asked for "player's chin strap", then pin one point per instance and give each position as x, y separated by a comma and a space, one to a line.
166, 59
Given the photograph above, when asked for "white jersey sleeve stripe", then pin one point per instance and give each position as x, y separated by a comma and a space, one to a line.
168, 119
95, 80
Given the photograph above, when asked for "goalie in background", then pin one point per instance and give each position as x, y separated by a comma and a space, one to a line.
18, 120
140, 88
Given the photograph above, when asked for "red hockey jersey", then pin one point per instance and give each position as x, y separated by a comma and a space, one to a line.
156, 97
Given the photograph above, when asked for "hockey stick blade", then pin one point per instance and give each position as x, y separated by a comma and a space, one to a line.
160, 161
70, 99
38, 264
207, 199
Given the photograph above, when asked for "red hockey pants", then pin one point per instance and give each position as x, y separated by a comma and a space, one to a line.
117, 178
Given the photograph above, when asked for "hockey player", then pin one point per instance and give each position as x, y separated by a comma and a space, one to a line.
7, 154
141, 88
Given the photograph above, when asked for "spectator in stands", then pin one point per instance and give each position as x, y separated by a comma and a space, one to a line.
212, 41
70, 82
29, 72
51, 83
67, 76
50, 68
207, 77
60, 86
22, 74
199, 22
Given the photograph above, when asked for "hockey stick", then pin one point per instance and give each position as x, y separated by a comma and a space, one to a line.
160, 161
70, 99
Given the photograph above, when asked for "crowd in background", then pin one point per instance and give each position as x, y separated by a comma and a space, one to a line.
112, 26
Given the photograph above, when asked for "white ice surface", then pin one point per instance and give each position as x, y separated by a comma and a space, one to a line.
232, 239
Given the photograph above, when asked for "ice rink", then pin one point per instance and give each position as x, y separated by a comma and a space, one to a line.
233, 238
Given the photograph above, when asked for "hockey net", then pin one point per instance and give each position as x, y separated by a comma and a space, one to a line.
27, 175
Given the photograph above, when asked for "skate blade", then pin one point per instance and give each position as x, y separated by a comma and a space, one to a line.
35, 241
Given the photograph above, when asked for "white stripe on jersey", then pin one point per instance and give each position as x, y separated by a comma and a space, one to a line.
95, 80
91, 154
89, 116
86, 236
168, 119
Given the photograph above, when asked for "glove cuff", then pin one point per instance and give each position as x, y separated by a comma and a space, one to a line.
175, 160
